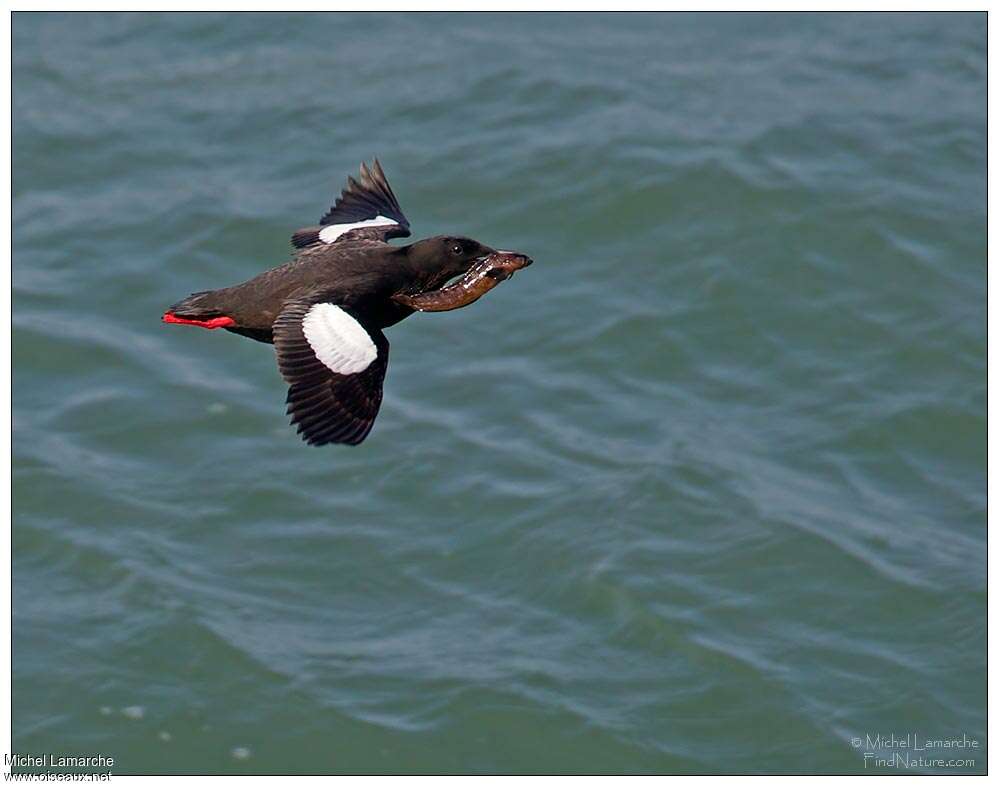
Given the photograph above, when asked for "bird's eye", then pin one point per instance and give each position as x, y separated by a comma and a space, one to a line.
457, 249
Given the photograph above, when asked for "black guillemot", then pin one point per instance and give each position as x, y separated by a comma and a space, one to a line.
324, 311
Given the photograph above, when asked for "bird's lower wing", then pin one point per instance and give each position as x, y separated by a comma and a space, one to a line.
334, 366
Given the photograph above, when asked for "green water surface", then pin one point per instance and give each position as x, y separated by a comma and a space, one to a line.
703, 490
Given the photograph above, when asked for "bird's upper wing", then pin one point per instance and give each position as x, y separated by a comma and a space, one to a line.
334, 366
366, 210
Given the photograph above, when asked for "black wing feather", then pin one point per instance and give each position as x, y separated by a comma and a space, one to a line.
327, 407
368, 198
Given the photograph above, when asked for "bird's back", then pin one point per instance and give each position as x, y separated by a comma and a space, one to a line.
358, 274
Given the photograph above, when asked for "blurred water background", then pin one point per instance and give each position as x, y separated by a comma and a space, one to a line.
702, 490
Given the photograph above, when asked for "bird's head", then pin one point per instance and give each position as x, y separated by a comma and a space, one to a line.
438, 259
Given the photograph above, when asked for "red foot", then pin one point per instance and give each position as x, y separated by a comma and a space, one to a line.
214, 322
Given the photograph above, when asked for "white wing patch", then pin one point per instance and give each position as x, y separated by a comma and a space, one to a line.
338, 340
333, 231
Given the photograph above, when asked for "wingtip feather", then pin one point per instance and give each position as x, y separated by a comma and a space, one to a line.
370, 194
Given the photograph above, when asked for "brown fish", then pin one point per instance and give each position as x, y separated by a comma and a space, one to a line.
480, 279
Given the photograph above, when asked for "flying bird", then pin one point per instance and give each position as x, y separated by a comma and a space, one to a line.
324, 311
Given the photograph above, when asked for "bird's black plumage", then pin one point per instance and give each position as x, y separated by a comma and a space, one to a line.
326, 407
324, 311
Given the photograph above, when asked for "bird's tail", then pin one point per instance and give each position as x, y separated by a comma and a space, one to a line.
201, 309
